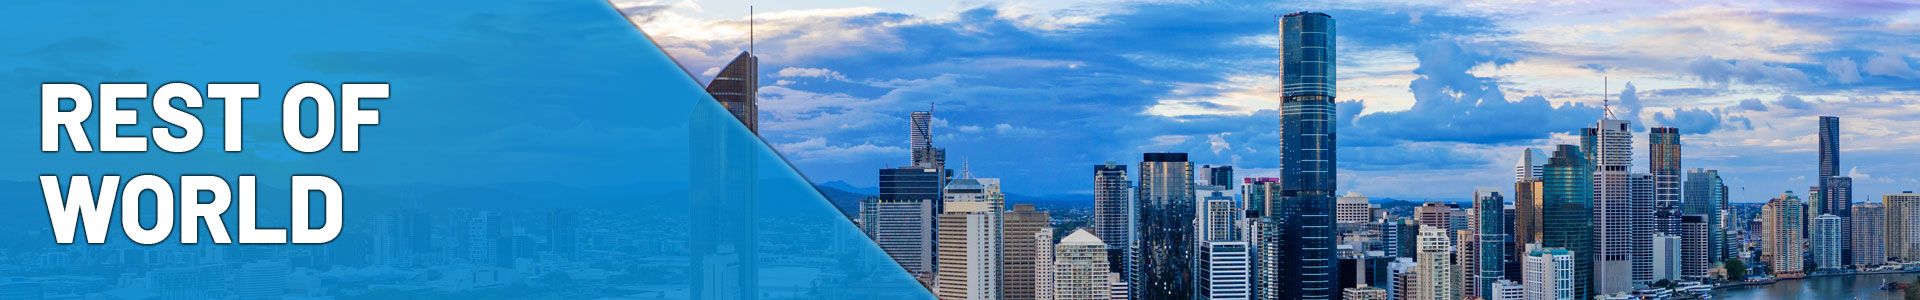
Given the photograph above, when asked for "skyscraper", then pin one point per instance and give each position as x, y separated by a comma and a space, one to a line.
1622, 226
1532, 164
1829, 146
1567, 211
971, 245
1436, 270
1211, 175
1165, 209
1826, 241
1307, 158
1663, 161
1492, 238
1020, 260
737, 87
1221, 220
1869, 234
1836, 189
1694, 240
1706, 197
1224, 271
1526, 214
1666, 256
1785, 219
903, 218
1113, 213
921, 139
1903, 225
1080, 268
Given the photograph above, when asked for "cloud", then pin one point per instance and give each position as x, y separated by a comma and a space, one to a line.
816, 150
1844, 70
793, 72
1452, 105
1696, 121
1889, 65
1712, 70
1752, 105
1793, 102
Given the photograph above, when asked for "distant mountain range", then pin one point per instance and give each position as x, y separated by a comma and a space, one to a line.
847, 197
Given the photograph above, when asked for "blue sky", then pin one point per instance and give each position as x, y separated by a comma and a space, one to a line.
1437, 96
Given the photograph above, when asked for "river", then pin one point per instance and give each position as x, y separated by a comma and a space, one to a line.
1835, 287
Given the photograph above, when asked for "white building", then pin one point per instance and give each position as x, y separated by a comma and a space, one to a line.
1507, 290
1666, 257
1353, 209
970, 244
1438, 278
1080, 268
1225, 275
1622, 222
1548, 274
1828, 241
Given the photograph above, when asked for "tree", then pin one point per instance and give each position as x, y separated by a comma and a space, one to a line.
1737, 270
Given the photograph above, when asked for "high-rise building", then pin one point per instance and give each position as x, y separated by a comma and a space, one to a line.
1403, 279
1826, 241
970, 240
1706, 196
1526, 214
1164, 256
1836, 189
1491, 240
1113, 213
1666, 256
1532, 165
1307, 157
1567, 211
1434, 214
1364, 292
1622, 226
903, 228
1694, 262
1829, 146
1784, 219
1220, 217
1080, 268
1869, 234
1663, 162
1903, 226
1043, 266
1225, 273
1354, 209
1211, 175
1021, 261
921, 139
1436, 268
737, 87
1401, 236
1508, 290
1551, 275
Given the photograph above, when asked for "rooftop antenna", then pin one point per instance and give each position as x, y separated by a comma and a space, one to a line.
749, 29
1606, 101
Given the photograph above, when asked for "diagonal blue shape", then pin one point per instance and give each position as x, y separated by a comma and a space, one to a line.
529, 149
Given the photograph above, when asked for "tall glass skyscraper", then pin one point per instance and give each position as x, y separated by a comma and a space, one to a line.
1566, 209
1705, 196
1663, 161
1164, 263
737, 87
1493, 225
1836, 190
1113, 214
1307, 265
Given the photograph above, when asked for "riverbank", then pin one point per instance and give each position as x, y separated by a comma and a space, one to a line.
1827, 286
1778, 280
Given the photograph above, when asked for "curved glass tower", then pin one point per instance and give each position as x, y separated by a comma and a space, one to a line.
1307, 265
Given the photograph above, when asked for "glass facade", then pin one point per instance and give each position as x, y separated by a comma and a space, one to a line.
1567, 212
1705, 197
1307, 264
737, 87
1164, 261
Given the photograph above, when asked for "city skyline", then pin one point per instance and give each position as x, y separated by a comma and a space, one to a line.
834, 108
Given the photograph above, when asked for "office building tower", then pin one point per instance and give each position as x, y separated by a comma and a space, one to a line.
902, 228
1225, 273
1903, 226
1165, 209
1532, 165
1826, 242
1258, 194
1513, 257
1436, 271
1354, 209
1622, 226
1829, 146
1869, 234
1466, 268
1021, 261
1220, 216
1566, 213
1663, 162
970, 240
1705, 195
1694, 260
1211, 175
737, 87
1402, 276
1369, 268
1043, 266
1507, 290
1080, 268
1490, 240
1434, 214
1551, 275
1364, 292
1117, 287
1113, 213
1307, 156
1526, 214
921, 139
1666, 256
1401, 236
1784, 219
